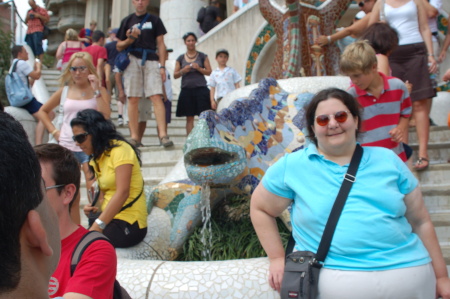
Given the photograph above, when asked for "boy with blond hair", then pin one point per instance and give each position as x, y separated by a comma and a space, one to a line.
386, 102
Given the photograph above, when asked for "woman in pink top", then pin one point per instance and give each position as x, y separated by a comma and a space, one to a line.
70, 45
84, 92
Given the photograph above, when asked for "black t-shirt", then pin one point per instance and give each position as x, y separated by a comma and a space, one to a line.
210, 20
150, 30
111, 49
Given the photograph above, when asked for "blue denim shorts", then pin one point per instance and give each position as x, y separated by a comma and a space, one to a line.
81, 157
34, 40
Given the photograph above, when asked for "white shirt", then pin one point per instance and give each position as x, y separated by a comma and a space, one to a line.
432, 22
224, 81
23, 69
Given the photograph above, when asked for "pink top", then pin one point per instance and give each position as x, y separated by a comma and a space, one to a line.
71, 108
69, 51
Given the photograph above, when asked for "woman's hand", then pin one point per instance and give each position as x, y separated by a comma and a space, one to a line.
432, 65
322, 40
276, 271
56, 135
443, 288
446, 76
88, 208
93, 80
442, 56
195, 66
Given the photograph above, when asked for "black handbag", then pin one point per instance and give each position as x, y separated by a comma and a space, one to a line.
302, 268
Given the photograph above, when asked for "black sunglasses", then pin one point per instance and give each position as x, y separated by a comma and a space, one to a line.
78, 68
80, 138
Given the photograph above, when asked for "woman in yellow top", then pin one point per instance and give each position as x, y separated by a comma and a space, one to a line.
117, 167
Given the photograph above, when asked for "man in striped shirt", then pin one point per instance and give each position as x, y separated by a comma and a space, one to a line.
385, 100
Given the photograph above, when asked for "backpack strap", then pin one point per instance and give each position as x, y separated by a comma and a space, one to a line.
82, 245
13, 69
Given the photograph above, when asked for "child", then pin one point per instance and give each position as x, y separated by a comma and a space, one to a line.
223, 80
386, 101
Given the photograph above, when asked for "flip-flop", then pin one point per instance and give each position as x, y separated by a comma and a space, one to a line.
419, 165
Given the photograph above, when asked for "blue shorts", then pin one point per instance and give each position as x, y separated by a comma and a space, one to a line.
33, 106
81, 157
34, 40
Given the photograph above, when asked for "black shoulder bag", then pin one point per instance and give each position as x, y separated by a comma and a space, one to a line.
301, 272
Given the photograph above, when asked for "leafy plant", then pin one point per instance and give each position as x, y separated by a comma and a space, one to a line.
49, 61
233, 236
5, 63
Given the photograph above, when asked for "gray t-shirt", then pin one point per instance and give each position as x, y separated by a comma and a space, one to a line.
193, 78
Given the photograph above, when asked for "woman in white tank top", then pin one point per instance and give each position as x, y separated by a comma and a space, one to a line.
412, 61
84, 92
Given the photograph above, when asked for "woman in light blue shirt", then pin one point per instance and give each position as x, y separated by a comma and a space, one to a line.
384, 245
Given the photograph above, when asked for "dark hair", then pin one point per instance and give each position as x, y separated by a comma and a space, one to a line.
102, 130
15, 50
331, 93
65, 167
20, 192
382, 37
189, 34
97, 35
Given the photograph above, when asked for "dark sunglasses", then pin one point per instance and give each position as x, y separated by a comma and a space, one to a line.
324, 119
80, 138
78, 68
361, 4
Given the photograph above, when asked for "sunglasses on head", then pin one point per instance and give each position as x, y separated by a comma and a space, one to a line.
324, 119
80, 138
78, 68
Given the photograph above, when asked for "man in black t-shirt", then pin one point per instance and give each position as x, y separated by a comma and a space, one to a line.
144, 77
212, 17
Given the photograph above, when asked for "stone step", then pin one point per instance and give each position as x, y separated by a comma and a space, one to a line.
150, 131
437, 134
437, 198
438, 152
435, 175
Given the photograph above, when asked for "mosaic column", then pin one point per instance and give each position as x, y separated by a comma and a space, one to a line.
179, 17
100, 11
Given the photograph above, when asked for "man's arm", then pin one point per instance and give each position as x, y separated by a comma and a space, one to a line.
162, 56
36, 73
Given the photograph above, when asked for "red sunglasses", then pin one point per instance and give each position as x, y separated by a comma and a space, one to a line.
324, 119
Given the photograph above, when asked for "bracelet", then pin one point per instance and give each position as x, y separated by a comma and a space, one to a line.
429, 54
132, 37
97, 93
54, 131
329, 39
162, 67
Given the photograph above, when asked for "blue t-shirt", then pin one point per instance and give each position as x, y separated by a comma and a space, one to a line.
373, 232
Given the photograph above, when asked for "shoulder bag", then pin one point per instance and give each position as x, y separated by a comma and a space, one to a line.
301, 272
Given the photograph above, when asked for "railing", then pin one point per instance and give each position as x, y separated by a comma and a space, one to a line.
13, 20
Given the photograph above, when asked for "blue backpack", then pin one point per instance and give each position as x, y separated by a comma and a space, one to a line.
18, 93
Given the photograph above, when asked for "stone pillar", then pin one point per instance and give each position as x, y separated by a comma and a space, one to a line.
100, 11
120, 9
179, 17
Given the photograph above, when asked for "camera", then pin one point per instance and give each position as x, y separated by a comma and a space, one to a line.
31, 16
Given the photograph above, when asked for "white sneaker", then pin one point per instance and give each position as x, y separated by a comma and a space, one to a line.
120, 122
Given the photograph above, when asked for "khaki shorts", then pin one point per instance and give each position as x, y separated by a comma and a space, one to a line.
146, 78
145, 109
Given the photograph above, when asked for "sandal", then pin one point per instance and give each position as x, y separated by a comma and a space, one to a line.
420, 165
165, 141
135, 143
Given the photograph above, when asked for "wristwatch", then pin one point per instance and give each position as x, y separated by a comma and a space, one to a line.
100, 223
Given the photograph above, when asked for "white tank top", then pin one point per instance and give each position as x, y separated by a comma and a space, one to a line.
405, 20
71, 108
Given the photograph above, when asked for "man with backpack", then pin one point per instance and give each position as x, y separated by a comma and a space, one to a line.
93, 273
21, 67
210, 16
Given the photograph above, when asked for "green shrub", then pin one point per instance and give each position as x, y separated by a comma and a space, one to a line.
5, 63
233, 236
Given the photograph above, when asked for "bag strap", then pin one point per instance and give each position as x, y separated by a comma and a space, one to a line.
81, 247
382, 14
349, 179
13, 69
134, 200
62, 100
330, 227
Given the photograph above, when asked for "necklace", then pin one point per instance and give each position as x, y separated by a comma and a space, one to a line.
196, 53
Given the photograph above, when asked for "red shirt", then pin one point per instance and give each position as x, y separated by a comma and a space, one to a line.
35, 24
95, 273
383, 114
96, 53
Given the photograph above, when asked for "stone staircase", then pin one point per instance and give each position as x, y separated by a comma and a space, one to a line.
435, 181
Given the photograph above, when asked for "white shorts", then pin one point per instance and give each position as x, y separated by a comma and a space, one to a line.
406, 283
140, 79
